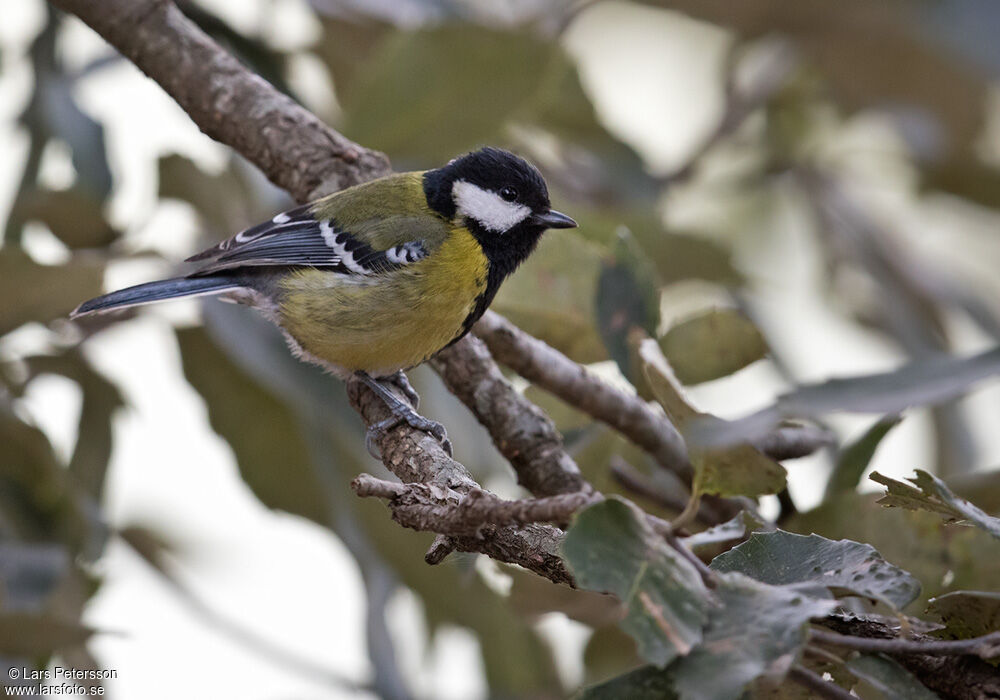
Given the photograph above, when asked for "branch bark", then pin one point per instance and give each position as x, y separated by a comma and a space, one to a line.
231, 104
520, 430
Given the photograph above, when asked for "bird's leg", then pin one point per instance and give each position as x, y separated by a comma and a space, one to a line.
400, 381
401, 413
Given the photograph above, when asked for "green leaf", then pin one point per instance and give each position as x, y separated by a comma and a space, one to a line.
272, 458
758, 631
610, 548
30, 634
101, 399
941, 557
737, 528
713, 344
627, 298
552, 296
74, 216
855, 458
741, 470
933, 495
646, 683
889, 678
967, 614
33, 292
844, 567
927, 381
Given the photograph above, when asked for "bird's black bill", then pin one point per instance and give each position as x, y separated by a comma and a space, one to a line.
554, 219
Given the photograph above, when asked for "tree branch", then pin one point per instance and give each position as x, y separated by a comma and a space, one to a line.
520, 430
814, 682
985, 647
228, 102
418, 458
431, 508
548, 368
952, 677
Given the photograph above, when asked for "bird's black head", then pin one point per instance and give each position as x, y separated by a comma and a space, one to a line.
502, 199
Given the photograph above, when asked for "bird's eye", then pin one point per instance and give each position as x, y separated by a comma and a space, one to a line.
508, 193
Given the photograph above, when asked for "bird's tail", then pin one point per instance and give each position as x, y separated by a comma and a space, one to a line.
157, 291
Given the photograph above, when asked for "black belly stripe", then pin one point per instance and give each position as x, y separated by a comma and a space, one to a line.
494, 279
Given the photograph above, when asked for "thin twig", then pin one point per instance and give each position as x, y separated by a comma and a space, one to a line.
985, 647
814, 682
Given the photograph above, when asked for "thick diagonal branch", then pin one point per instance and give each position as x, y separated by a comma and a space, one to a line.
231, 104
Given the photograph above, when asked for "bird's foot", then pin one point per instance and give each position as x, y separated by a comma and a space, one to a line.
412, 419
401, 413
400, 381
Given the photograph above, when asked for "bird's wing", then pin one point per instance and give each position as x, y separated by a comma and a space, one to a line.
366, 230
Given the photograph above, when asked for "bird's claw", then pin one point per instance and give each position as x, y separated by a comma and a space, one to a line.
378, 430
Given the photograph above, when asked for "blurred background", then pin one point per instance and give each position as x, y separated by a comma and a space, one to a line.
177, 482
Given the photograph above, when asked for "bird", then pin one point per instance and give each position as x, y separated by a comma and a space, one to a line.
378, 278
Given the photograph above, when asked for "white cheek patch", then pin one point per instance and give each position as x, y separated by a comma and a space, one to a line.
488, 208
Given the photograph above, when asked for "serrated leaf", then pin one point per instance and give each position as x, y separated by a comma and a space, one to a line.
967, 614
888, 677
712, 345
942, 558
842, 566
758, 632
610, 548
934, 495
740, 470
552, 294
929, 381
33, 292
855, 457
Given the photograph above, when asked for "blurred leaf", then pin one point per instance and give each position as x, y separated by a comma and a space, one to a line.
566, 418
101, 398
741, 470
889, 678
712, 345
934, 495
533, 596
36, 497
845, 567
33, 292
221, 200
74, 216
929, 381
609, 547
942, 558
552, 296
854, 459
29, 572
266, 439
737, 528
757, 632
608, 652
646, 683
26, 634
627, 298
419, 104
967, 614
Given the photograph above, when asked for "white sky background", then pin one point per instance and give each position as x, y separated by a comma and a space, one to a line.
286, 578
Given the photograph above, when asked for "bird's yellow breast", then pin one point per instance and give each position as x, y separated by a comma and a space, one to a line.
384, 322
